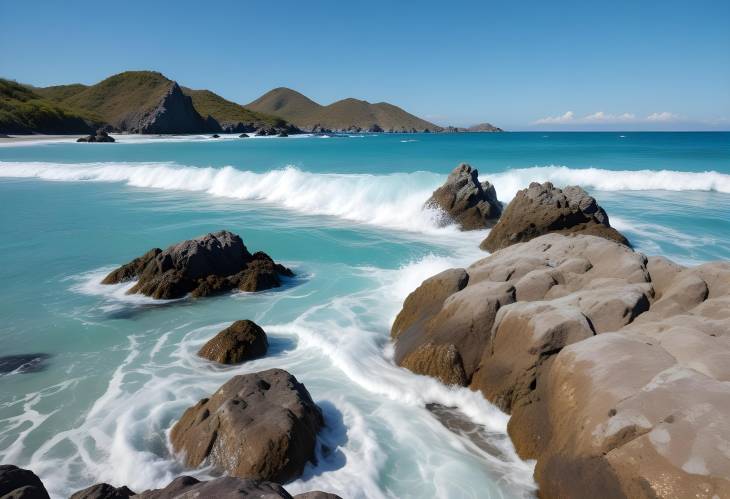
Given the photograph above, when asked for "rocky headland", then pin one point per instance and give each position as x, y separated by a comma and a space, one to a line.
612, 364
207, 265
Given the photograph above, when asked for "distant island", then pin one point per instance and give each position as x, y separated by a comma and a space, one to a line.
146, 102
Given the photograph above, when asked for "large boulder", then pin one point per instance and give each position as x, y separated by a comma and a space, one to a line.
203, 266
260, 426
241, 341
100, 136
17, 483
544, 208
465, 201
103, 491
613, 365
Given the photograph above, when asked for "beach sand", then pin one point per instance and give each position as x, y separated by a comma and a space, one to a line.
5, 139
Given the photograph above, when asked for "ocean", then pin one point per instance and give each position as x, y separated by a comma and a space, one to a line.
346, 214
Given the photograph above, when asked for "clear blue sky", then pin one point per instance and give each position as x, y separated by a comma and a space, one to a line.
638, 64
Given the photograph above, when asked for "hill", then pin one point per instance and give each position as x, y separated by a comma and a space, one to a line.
484, 127
231, 116
346, 114
22, 110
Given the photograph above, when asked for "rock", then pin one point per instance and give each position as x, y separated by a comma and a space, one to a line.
101, 136
210, 264
17, 483
317, 494
174, 113
465, 201
266, 130
215, 136
614, 366
283, 134
375, 128
260, 426
543, 208
103, 491
243, 136
187, 487
23, 363
241, 341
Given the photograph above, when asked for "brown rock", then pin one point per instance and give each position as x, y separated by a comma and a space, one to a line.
465, 201
543, 208
615, 366
260, 426
241, 341
103, 491
443, 362
187, 487
214, 263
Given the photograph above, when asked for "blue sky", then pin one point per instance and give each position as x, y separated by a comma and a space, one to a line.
560, 65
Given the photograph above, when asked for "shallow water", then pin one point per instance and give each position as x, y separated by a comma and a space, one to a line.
345, 213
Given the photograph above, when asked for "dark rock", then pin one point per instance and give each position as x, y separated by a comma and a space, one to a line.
543, 208
175, 113
465, 201
17, 483
241, 341
317, 494
375, 129
101, 136
209, 264
187, 487
215, 136
103, 491
283, 134
23, 363
261, 426
263, 131
243, 136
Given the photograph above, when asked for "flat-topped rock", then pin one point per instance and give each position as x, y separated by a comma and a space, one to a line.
613, 365
210, 264
259, 426
465, 201
103, 491
241, 341
544, 208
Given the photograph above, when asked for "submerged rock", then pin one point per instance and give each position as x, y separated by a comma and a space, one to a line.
209, 264
543, 208
465, 201
103, 491
243, 136
241, 341
613, 365
260, 426
17, 483
23, 363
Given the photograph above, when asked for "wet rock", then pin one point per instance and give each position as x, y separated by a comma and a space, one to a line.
317, 494
613, 365
243, 136
466, 201
543, 208
23, 363
260, 426
100, 136
210, 264
187, 487
215, 136
17, 483
241, 341
103, 491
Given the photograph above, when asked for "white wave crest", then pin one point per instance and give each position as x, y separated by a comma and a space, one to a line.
507, 183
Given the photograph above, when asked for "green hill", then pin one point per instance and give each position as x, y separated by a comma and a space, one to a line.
22, 110
226, 112
341, 115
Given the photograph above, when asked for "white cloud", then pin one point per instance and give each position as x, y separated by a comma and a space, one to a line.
664, 117
606, 118
564, 118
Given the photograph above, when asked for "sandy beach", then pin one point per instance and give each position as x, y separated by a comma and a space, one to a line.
9, 139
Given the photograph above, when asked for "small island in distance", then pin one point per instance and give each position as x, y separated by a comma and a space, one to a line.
147, 102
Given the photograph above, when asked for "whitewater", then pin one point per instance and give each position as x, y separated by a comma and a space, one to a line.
347, 215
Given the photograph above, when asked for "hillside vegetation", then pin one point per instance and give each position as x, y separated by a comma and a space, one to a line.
226, 112
22, 110
341, 115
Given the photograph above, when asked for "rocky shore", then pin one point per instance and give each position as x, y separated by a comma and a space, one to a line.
612, 364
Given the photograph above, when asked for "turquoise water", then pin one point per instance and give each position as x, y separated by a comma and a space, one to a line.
346, 214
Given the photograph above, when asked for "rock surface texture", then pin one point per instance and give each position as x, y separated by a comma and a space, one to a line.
207, 265
174, 113
103, 491
241, 341
100, 136
17, 483
259, 426
614, 366
465, 201
544, 208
